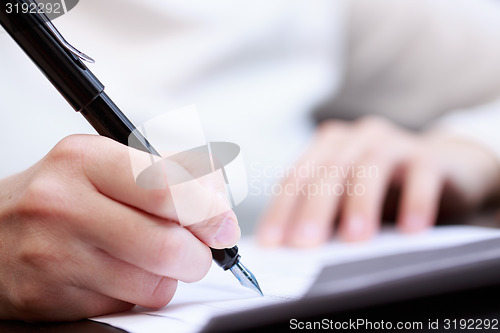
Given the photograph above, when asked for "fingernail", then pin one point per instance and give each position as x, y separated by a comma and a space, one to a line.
228, 233
355, 228
307, 235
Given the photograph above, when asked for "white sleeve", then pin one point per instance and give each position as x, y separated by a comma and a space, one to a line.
480, 124
413, 61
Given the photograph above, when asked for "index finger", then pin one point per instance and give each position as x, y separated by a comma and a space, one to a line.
201, 203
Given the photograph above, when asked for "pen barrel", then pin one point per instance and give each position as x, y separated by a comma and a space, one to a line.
63, 69
109, 121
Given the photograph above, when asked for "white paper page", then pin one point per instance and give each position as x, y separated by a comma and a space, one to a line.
284, 274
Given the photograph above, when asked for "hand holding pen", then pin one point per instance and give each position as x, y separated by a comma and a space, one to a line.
79, 237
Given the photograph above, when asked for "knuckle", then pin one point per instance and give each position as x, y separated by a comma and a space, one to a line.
40, 253
308, 169
332, 132
376, 153
425, 158
69, 149
374, 124
328, 126
419, 158
41, 197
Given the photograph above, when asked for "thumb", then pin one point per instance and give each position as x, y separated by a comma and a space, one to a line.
202, 206
219, 232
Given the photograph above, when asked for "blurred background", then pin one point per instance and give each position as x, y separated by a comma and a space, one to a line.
263, 73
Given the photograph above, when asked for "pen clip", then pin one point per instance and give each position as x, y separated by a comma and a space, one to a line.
67, 45
60, 38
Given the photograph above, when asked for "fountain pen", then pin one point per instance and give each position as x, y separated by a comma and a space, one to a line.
62, 64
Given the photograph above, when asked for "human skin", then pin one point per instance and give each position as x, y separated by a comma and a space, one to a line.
428, 168
79, 238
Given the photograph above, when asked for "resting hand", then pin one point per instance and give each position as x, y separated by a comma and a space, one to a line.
350, 168
79, 238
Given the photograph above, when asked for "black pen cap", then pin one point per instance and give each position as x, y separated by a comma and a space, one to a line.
65, 70
226, 258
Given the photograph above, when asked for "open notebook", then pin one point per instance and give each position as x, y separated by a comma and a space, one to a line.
338, 275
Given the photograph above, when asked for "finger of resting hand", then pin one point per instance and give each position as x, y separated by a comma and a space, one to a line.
122, 281
159, 246
283, 222
273, 225
317, 211
421, 193
313, 222
363, 202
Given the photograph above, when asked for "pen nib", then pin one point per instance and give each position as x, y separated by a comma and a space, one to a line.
246, 278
